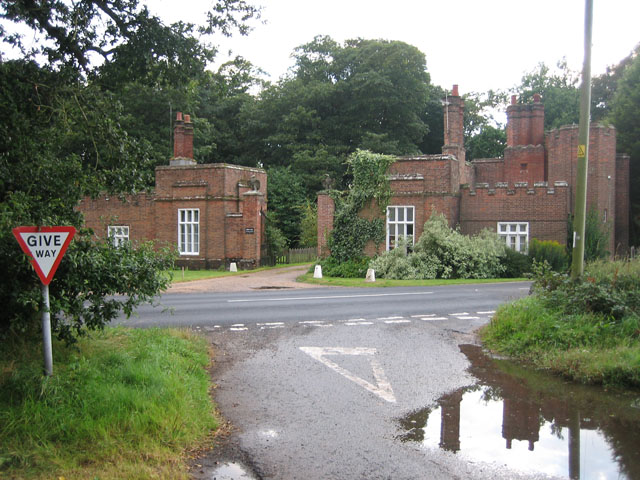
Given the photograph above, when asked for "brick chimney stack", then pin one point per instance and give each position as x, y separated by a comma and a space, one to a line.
454, 135
182, 141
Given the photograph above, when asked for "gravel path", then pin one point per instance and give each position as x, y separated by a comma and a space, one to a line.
277, 278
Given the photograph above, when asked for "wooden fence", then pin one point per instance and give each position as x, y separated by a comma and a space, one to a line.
290, 255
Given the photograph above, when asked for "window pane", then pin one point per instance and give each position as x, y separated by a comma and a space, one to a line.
410, 229
503, 227
410, 215
392, 214
512, 228
401, 214
392, 230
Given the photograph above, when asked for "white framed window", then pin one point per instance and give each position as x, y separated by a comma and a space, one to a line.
118, 234
515, 235
189, 231
400, 223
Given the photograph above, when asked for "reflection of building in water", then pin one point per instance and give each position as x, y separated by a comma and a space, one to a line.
520, 421
450, 421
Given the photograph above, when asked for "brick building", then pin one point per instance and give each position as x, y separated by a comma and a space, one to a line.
213, 213
527, 193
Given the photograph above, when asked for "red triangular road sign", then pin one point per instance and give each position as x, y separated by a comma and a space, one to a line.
45, 247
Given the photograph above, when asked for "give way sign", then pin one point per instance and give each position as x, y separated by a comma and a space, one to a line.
45, 247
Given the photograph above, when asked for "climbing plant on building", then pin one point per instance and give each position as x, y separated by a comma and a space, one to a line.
357, 220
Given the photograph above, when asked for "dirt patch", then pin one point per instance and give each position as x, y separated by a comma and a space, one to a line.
274, 279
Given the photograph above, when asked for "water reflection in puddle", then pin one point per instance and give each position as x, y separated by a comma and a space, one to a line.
532, 422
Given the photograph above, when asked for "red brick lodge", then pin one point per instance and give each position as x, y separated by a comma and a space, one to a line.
527, 193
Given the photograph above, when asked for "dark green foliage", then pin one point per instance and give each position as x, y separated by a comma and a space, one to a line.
489, 143
352, 268
516, 264
611, 292
286, 201
586, 329
626, 118
309, 225
442, 252
549, 251
559, 91
370, 189
60, 141
596, 236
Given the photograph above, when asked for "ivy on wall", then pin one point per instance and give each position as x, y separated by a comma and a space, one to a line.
370, 190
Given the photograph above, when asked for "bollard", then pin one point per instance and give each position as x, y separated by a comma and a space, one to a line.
371, 275
317, 272
233, 267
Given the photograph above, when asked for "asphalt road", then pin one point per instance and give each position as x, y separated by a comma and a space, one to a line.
222, 310
314, 382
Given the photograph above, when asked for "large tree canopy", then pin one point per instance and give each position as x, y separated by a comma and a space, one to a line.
626, 118
369, 94
74, 125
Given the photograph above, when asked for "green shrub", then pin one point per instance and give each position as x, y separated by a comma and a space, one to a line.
442, 252
550, 251
516, 264
353, 268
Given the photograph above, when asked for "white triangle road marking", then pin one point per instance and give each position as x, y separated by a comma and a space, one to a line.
382, 388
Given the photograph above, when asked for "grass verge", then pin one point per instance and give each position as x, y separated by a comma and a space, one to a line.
178, 276
121, 404
586, 330
384, 282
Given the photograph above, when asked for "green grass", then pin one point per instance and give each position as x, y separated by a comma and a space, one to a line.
383, 282
121, 404
587, 347
191, 275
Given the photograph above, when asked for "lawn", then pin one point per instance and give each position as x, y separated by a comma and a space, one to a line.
122, 403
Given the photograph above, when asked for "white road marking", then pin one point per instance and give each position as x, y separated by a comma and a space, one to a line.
382, 388
358, 323
458, 314
268, 324
238, 325
326, 297
312, 322
271, 327
468, 318
429, 319
488, 312
389, 318
425, 315
238, 329
397, 321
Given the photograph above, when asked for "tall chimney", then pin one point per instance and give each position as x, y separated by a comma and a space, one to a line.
182, 141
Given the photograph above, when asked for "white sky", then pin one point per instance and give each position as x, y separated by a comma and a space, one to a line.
478, 44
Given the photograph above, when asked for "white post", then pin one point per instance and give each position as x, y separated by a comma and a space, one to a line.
46, 332
233, 267
371, 275
317, 271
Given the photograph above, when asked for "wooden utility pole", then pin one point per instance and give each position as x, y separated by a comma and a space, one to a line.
580, 213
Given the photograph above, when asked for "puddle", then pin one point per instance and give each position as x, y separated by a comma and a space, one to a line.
533, 423
231, 471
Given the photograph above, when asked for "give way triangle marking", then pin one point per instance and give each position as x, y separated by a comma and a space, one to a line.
382, 388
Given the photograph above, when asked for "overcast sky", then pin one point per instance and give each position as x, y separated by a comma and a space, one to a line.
478, 44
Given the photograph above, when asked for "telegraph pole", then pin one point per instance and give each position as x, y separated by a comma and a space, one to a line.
579, 220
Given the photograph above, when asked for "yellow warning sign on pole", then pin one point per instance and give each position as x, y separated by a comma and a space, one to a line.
582, 151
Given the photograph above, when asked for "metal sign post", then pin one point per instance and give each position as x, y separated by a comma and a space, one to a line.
45, 247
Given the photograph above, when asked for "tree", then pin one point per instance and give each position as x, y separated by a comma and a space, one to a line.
604, 87
118, 31
65, 134
559, 91
626, 118
367, 94
286, 200
490, 142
